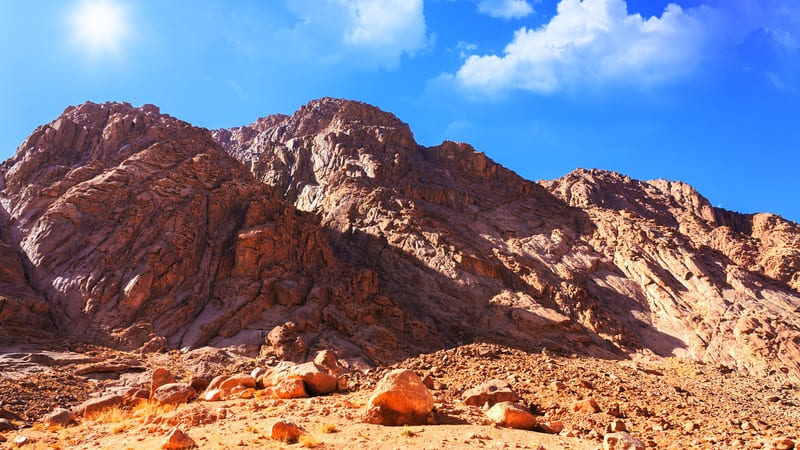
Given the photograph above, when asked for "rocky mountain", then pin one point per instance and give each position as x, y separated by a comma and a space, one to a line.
332, 228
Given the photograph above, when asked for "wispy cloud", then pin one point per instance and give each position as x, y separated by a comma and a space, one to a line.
377, 32
505, 9
591, 42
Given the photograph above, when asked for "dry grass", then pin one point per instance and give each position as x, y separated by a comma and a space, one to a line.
308, 441
328, 428
407, 432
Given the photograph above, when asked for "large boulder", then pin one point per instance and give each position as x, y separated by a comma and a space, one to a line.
511, 415
174, 393
400, 398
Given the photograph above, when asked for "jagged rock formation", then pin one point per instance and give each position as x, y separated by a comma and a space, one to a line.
480, 253
335, 229
140, 231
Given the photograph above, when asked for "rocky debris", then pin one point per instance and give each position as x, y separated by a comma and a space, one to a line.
621, 441
285, 432
511, 415
178, 440
94, 406
400, 398
616, 426
491, 392
59, 417
224, 387
174, 393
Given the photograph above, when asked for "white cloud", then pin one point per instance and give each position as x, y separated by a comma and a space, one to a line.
592, 41
505, 9
380, 31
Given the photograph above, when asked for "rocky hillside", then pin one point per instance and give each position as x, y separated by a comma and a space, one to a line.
332, 228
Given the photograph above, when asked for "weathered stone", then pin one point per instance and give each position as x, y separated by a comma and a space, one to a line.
285, 431
178, 440
586, 406
491, 392
160, 377
400, 398
59, 417
95, 405
511, 415
6, 425
290, 387
621, 441
174, 393
318, 382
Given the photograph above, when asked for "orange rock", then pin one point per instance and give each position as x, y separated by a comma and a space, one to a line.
511, 415
400, 398
160, 377
178, 440
291, 387
587, 406
285, 432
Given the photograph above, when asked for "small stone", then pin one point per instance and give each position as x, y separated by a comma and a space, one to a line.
690, 427
558, 386
551, 427
177, 439
22, 440
285, 432
616, 426
621, 441
784, 444
587, 406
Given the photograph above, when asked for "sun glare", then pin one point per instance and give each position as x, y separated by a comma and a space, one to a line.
100, 27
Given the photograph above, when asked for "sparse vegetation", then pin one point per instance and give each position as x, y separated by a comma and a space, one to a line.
308, 441
328, 428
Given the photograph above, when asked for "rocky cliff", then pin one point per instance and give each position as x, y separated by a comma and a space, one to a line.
333, 228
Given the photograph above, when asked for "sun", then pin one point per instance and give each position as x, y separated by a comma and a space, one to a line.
100, 27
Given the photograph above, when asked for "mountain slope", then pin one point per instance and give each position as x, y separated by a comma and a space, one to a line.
332, 228
483, 254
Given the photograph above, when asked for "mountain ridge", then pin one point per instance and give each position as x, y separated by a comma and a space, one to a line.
435, 245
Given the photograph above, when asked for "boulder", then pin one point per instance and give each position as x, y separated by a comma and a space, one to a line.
290, 387
511, 415
177, 440
317, 380
174, 393
621, 441
400, 398
285, 431
586, 406
491, 392
59, 417
95, 405
160, 377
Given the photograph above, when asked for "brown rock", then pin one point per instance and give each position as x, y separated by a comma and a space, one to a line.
621, 441
290, 387
59, 417
551, 426
174, 393
784, 444
328, 360
616, 426
160, 377
177, 439
95, 405
491, 392
318, 382
6, 425
400, 398
511, 415
690, 427
285, 432
586, 406
135, 396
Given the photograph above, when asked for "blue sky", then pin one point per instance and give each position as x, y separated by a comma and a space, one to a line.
703, 91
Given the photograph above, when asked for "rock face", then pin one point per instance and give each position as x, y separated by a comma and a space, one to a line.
333, 229
134, 227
